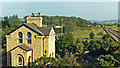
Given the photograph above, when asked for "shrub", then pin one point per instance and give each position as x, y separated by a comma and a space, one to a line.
91, 35
100, 33
106, 60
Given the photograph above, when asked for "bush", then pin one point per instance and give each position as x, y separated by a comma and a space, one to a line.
68, 60
91, 35
106, 36
106, 60
100, 33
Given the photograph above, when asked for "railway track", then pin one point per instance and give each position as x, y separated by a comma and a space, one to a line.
114, 34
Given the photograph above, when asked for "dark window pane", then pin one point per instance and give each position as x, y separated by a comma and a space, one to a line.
20, 37
29, 41
20, 40
29, 38
20, 61
29, 35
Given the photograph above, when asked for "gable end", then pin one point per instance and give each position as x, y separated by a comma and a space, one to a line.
26, 27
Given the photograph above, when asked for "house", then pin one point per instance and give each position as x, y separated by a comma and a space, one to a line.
29, 42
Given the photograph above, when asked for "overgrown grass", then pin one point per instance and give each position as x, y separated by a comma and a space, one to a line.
85, 32
114, 27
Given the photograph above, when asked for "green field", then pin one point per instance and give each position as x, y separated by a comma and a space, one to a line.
114, 27
85, 32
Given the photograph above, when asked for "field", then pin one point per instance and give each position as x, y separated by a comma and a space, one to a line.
82, 34
114, 27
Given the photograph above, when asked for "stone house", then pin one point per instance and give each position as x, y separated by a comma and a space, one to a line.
29, 42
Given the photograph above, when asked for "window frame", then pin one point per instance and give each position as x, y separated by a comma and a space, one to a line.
20, 62
29, 39
20, 38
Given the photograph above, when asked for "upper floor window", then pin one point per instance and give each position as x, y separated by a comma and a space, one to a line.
29, 38
20, 37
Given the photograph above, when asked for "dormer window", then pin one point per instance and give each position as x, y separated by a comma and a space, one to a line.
20, 37
28, 38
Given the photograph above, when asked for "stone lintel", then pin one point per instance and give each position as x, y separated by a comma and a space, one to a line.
39, 36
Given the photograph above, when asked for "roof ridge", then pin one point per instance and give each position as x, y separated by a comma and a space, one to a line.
23, 47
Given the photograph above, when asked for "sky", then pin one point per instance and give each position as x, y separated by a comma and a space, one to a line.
104, 15
60, 0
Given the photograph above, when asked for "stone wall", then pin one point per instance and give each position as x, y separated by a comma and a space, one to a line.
52, 44
36, 45
15, 54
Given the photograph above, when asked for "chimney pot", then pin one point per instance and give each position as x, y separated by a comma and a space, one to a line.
35, 14
39, 14
32, 14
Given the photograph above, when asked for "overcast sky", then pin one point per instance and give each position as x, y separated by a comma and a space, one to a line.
60, 0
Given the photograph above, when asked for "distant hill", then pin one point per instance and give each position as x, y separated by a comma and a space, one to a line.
92, 21
104, 22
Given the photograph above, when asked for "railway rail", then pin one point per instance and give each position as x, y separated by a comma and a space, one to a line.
114, 34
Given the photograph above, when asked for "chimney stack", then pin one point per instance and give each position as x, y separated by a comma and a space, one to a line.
35, 18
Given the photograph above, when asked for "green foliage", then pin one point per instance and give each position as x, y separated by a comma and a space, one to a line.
100, 33
118, 25
95, 23
43, 61
79, 48
93, 46
68, 60
106, 36
58, 30
67, 45
65, 42
91, 35
62, 20
106, 60
70, 27
9, 24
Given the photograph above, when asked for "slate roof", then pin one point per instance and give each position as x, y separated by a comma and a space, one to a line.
44, 31
33, 26
23, 46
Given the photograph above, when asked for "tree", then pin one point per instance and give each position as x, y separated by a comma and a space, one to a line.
93, 46
9, 24
95, 23
106, 36
79, 48
63, 42
91, 35
106, 60
69, 27
25, 18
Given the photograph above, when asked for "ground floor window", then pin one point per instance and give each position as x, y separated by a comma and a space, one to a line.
19, 60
